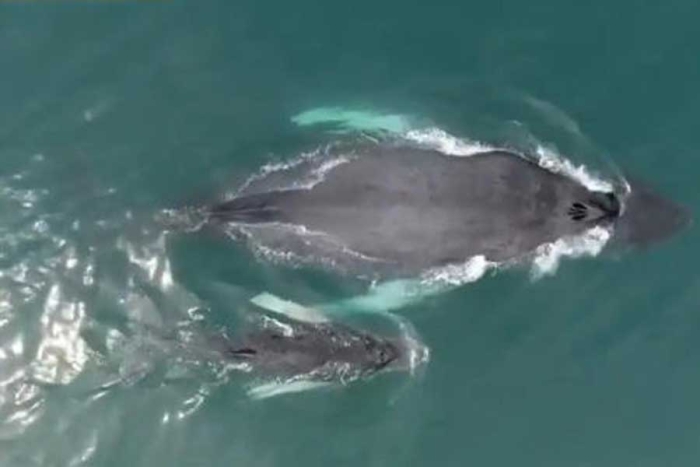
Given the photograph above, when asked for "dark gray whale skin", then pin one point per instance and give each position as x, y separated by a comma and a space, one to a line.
325, 351
416, 208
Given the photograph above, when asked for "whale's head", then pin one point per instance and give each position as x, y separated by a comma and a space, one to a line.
379, 354
645, 217
596, 208
404, 353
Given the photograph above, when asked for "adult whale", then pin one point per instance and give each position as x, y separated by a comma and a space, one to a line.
407, 209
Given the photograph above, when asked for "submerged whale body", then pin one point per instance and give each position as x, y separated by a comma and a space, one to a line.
410, 209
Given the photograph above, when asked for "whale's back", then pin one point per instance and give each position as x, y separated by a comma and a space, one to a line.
419, 208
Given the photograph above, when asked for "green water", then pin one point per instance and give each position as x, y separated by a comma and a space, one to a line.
112, 112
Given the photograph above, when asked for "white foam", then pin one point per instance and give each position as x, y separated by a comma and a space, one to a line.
273, 167
551, 160
319, 165
547, 158
545, 261
327, 166
547, 256
435, 138
273, 246
192, 404
286, 329
458, 274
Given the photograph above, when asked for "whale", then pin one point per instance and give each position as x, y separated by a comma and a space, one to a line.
292, 348
403, 209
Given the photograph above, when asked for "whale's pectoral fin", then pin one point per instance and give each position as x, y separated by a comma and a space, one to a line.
272, 303
267, 390
348, 120
386, 297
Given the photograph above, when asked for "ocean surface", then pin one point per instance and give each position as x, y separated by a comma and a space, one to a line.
112, 112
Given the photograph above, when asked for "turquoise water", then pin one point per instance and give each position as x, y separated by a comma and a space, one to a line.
111, 113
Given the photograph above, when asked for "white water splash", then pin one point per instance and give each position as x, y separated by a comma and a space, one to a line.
551, 160
548, 256
271, 242
458, 274
547, 158
440, 140
327, 166
313, 167
151, 259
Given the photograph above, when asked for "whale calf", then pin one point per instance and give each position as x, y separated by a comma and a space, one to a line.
407, 209
299, 348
